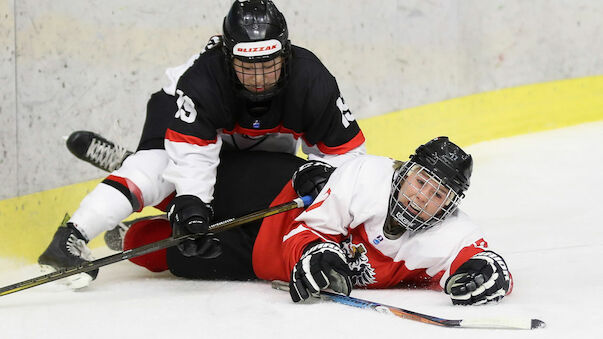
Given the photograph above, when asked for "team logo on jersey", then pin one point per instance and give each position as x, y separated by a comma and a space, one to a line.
363, 274
346, 115
378, 239
256, 124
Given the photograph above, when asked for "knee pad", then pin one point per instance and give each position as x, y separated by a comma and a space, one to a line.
144, 169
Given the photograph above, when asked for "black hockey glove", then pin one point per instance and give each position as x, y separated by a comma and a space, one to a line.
189, 215
311, 177
483, 278
322, 266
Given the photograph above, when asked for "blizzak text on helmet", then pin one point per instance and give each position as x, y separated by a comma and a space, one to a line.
257, 48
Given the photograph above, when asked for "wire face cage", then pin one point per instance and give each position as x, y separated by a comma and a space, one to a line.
419, 199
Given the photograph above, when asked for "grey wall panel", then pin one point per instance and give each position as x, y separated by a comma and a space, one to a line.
390, 55
8, 136
93, 64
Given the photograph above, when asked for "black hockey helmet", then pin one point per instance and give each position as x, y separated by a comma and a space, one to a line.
256, 31
447, 161
443, 171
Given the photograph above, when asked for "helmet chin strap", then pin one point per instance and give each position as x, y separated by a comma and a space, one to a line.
409, 222
248, 95
259, 108
392, 229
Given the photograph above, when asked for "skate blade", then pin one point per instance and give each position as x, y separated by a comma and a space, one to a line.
74, 282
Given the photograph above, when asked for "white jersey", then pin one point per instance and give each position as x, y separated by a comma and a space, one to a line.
351, 210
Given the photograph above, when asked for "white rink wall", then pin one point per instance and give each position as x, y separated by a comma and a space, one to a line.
69, 65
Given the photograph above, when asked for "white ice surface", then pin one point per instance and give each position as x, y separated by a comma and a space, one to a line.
537, 196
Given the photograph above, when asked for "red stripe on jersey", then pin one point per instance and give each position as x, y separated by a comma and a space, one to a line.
318, 204
259, 132
162, 206
174, 136
466, 253
342, 149
134, 191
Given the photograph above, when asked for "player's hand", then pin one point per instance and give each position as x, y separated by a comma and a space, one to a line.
483, 278
311, 177
322, 266
190, 215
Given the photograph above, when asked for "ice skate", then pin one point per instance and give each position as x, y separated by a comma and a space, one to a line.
114, 238
68, 249
96, 150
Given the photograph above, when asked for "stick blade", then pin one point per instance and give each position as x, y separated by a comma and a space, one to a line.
280, 285
537, 323
503, 323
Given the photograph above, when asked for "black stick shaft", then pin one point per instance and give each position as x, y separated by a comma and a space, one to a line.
152, 247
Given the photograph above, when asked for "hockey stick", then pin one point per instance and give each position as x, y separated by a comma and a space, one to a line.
152, 247
489, 323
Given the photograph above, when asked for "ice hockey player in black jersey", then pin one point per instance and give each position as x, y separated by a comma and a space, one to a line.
256, 84
249, 90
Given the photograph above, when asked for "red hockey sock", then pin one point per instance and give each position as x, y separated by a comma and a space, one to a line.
145, 232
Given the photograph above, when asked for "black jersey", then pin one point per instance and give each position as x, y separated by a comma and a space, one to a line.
309, 107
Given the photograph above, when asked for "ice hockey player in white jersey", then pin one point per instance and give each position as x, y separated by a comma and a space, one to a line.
378, 223
375, 223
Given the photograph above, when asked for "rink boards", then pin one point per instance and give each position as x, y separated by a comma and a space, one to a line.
29, 221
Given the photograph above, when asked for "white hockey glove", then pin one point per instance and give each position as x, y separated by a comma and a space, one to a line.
483, 278
322, 266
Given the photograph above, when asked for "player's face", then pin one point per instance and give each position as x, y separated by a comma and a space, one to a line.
422, 194
259, 76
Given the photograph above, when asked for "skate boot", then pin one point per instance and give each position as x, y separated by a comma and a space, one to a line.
68, 249
114, 238
96, 150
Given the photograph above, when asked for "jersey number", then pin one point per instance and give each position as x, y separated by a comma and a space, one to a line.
186, 108
346, 115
